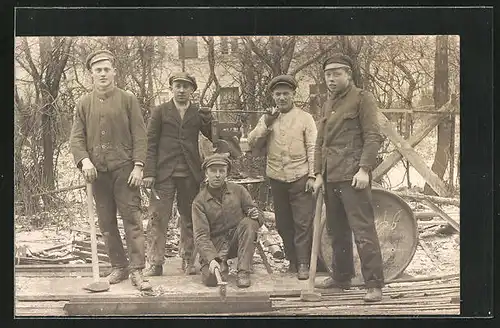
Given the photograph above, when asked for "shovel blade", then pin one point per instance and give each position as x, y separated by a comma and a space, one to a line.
97, 286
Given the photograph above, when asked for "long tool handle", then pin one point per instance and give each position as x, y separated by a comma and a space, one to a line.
93, 235
218, 276
316, 240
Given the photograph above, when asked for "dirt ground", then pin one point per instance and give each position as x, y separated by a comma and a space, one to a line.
440, 255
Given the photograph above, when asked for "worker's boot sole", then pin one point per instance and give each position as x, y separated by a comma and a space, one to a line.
117, 275
373, 295
154, 270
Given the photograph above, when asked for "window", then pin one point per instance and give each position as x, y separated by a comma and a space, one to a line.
188, 47
223, 45
228, 45
234, 45
229, 99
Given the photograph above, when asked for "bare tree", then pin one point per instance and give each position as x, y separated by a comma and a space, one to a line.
441, 96
45, 71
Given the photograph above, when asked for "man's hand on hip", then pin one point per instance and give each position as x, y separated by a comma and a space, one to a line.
361, 179
89, 171
135, 177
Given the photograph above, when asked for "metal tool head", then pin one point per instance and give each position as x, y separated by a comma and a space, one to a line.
310, 296
97, 286
222, 290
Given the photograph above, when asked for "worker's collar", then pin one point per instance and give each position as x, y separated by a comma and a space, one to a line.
341, 94
105, 93
180, 106
224, 190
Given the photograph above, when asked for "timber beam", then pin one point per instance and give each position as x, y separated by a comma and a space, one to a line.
450, 107
412, 156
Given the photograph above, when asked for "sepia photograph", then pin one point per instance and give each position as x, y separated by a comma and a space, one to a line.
224, 175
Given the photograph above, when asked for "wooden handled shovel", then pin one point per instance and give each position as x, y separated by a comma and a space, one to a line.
310, 295
97, 285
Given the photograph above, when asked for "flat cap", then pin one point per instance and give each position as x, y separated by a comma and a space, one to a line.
98, 56
337, 60
183, 76
217, 158
283, 79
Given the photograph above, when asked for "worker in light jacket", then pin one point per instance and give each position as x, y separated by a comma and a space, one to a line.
346, 149
173, 166
288, 134
108, 142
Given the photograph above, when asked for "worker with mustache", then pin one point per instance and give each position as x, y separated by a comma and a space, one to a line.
288, 134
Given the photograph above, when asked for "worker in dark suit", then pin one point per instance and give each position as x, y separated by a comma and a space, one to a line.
346, 149
108, 142
173, 165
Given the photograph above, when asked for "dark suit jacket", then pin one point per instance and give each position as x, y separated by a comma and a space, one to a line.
348, 135
170, 137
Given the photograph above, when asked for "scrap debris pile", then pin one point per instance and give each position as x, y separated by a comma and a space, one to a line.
438, 249
77, 249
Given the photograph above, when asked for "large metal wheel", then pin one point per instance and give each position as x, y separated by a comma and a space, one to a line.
397, 232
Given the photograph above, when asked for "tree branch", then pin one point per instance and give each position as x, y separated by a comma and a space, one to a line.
314, 59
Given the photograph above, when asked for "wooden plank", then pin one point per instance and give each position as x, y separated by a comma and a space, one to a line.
421, 197
442, 214
370, 310
430, 124
445, 300
77, 267
412, 156
154, 307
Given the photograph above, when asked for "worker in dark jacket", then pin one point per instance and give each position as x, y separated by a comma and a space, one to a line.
173, 165
225, 223
345, 153
108, 142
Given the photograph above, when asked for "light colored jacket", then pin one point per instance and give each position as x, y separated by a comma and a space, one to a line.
290, 144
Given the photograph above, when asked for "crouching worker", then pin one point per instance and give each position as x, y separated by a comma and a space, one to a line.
225, 223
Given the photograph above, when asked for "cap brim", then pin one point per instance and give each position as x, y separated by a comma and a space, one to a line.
335, 66
182, 79
284, 83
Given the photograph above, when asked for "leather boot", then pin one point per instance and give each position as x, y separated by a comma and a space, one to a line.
137, 280
373, 295
154, 270
117, 275
336, 286
303, 272
243, 280
292, 268
188, 268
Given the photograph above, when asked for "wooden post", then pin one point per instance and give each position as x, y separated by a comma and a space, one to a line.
452, 153
407, 136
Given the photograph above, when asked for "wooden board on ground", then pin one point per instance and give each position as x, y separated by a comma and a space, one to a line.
47, 296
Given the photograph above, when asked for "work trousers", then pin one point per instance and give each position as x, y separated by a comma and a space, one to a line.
112, 192
160, 212
240, 242
350, 211
294, 211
